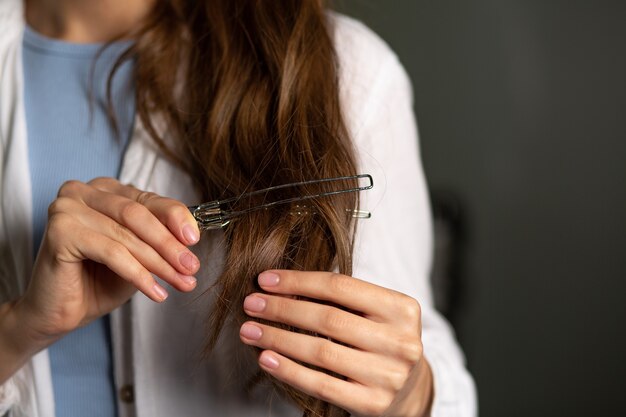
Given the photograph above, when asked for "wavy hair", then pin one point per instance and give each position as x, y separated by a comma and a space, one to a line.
249, 91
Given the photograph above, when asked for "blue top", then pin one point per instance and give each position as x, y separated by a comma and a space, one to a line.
70, 137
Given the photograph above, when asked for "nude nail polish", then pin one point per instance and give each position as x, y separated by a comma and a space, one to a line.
159, 292
190, 234
189, 260
254, 303
187, 279
268, 360
250, 331
268, 279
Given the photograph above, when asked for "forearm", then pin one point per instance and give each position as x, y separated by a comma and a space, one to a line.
17, 342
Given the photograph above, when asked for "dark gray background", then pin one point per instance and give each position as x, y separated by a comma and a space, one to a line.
520, 107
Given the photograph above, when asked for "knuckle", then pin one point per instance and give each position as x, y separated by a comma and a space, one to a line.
392, 297
290, 373
280, 309
396, 379
411, 351
410, 308
103, 183
178, 211
58, 225
290, 280
59, 205
326, 355
340, 284
174, 214
145, 196
131, 211
69, 188
334, 322
168, 243
135, 273
273, 340
143, 279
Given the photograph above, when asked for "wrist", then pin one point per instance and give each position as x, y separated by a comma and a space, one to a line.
31, 330
18, 340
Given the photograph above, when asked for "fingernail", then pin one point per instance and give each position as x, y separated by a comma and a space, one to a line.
268, 279
268, 360
250, 331
190, 234
254, 303
189, 260
159, 292
187, 279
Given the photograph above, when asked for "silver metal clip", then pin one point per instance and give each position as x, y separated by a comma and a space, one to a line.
209, 216
212, 215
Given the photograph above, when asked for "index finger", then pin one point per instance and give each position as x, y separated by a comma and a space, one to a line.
172, 213
353, 293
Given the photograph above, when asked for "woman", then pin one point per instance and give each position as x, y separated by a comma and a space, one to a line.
228, 96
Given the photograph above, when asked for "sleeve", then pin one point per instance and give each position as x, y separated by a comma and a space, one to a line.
17, 394
8, 396
393, 248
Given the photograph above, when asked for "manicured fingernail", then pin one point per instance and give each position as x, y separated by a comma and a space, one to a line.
250, 331
187, 279
268, 360
159, 292
268, 279
190, 234
254, 303
189, 260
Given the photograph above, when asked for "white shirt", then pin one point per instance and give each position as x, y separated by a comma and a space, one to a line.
156, 347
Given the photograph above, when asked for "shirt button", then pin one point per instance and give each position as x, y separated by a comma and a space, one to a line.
127, 394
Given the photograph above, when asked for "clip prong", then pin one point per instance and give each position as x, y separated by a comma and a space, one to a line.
212, 215
304, 210
361, 214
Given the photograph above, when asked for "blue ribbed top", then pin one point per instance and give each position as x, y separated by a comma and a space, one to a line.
70, 139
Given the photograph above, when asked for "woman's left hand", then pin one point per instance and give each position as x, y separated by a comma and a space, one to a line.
381, 355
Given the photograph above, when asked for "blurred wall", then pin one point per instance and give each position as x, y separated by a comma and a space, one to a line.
521, 108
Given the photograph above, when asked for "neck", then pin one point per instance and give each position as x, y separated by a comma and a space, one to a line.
86, 21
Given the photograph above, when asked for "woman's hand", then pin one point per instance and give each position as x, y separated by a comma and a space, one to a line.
103, 241
382, 356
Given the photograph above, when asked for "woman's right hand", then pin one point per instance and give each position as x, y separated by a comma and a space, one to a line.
103, 241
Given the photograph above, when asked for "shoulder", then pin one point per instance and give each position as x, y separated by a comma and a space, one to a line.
355, 42
363, 56
370, 73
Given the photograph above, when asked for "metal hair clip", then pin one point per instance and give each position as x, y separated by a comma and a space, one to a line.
214, 215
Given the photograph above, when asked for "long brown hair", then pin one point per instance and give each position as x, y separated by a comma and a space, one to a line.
248, 89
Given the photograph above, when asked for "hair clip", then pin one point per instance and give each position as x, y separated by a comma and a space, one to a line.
214, 215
